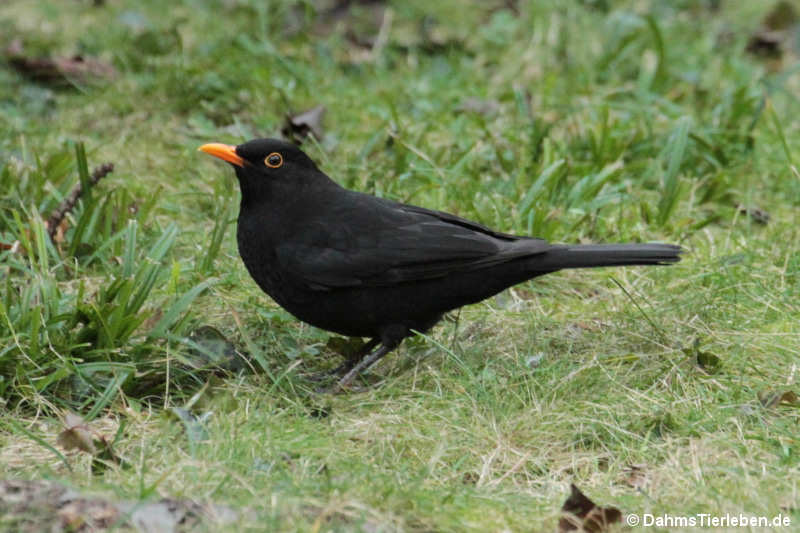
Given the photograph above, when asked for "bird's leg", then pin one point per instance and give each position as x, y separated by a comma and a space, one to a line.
348, 363
363, 364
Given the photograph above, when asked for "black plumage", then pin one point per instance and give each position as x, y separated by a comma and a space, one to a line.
364, 266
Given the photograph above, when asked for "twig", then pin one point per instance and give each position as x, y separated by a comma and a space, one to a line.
68, 204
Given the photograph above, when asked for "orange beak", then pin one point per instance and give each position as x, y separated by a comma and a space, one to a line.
225, 152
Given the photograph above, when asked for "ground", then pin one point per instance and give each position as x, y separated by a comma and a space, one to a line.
668, 391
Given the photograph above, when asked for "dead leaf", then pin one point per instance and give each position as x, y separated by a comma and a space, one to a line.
58, 70
635, 476
775, 399
76, 434
579, 513
13, 247
298, 127
61, 229
48, 506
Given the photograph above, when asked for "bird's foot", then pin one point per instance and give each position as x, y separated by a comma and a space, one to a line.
346, 366
363, 364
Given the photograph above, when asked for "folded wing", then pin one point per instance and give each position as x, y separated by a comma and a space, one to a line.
402, 244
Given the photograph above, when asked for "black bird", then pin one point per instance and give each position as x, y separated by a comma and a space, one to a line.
363, 266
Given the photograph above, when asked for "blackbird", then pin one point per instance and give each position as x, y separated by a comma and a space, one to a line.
363, 266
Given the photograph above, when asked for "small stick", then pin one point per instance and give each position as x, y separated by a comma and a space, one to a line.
68, 204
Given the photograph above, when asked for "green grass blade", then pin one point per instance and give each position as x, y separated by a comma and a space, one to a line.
673, 157
174, 312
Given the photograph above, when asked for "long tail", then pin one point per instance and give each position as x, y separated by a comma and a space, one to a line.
601, 255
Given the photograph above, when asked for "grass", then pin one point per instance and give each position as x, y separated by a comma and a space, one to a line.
611, 121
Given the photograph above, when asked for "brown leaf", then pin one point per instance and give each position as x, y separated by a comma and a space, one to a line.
774, 399
635, 476
298, 127
14, 247
76, 434
582, 514
48, 506
57, 70
61, 229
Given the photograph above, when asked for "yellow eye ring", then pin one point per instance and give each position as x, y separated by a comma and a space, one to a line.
274, 160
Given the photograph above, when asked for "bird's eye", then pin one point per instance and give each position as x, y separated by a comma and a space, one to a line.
273, 160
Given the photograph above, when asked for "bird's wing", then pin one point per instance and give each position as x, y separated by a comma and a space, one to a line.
385, 243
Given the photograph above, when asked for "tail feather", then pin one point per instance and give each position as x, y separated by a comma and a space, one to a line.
602, 255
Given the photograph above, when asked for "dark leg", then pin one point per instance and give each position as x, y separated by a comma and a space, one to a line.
353, 361
348, 363
363, 364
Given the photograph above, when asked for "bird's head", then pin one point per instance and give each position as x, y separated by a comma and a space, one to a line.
262, 165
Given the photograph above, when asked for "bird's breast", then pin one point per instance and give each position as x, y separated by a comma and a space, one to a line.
257, 249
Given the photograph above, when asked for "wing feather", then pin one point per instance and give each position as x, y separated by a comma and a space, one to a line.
401, 244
